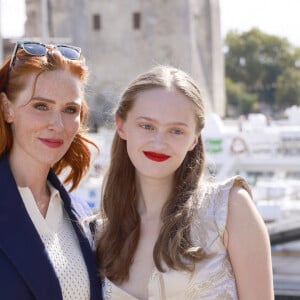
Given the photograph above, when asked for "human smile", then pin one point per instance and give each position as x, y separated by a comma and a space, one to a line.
156, 156
52, 143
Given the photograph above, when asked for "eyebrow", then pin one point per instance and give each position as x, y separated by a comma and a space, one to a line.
38, 98
153, 120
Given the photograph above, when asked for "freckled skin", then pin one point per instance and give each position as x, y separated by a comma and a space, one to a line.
45, 120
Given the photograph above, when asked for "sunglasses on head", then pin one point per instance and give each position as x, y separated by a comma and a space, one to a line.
39, 49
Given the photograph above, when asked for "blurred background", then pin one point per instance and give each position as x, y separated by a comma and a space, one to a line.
245, 56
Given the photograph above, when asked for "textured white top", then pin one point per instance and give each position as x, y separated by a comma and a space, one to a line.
213, 278
61, 244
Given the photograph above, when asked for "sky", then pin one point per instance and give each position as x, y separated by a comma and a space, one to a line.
12, 18
278, 17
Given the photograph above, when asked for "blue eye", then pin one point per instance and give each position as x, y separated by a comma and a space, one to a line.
176, 131
71, 110
147, 126
41, 106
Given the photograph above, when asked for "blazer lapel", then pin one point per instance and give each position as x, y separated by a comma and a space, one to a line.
21, 243
88, 255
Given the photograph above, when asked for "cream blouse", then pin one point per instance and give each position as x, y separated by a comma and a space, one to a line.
213, 278
61, 244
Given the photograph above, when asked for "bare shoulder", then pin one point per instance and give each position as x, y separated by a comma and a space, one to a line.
248, 246
243, 219
241, 206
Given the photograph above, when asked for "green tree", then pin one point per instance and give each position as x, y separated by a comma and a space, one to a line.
239, 101
255, 60
288, 89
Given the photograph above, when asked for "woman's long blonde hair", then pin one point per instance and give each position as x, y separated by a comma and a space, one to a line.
121, 232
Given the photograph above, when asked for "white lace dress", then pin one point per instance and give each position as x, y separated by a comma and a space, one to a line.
213, 278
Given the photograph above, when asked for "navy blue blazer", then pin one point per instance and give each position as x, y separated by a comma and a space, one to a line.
25, 270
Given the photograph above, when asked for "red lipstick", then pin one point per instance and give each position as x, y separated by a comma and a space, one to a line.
156, 156
52, 143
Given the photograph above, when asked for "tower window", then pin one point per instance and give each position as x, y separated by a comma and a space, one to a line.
96, 22
136, 20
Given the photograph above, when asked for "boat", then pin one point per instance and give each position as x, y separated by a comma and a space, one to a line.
266, 153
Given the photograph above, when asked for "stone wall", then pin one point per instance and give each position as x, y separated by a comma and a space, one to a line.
183, 33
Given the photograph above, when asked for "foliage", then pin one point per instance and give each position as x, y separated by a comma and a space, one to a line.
239, 101
288, 89
261, 65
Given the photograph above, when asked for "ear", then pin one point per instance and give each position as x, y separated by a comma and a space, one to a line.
8, 111
194, 143
120, 127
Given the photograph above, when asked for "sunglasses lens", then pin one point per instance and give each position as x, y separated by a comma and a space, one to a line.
68, 52
35, 49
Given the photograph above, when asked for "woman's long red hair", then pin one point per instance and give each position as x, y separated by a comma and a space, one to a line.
78, 157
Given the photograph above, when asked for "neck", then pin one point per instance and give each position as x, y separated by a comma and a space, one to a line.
29, 174
153, 194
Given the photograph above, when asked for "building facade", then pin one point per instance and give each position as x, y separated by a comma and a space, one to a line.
121, 39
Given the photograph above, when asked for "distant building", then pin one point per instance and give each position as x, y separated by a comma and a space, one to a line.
121, 39
7, 48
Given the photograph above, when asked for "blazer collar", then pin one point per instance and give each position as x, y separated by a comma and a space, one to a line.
88, 255
20, 242
18, 232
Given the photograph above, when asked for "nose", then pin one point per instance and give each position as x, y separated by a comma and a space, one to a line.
56, 121
159, 140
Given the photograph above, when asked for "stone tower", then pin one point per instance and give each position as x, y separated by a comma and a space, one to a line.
121, 39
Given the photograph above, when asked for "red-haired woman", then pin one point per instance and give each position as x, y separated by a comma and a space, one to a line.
44, 253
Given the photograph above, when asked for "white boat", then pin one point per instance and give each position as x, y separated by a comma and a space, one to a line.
266, 153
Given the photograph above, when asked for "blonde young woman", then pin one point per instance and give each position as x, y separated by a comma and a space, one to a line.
165, 233
44, 253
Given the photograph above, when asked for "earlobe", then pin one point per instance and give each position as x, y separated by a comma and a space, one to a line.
120, 127
7, 108
195, 142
